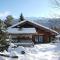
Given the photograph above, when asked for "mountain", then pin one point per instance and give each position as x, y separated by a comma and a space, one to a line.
39, 20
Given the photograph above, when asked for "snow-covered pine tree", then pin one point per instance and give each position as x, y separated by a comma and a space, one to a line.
3, 36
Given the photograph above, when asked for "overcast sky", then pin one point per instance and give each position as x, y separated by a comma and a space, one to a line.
29, 8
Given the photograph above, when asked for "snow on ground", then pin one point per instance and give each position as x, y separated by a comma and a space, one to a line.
49, 51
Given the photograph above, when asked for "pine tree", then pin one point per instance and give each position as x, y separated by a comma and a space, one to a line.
21, 17
3, 40
1, 24
3, 36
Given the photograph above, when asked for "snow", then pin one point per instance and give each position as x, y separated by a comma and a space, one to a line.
18, 49
49, 51
10, 47
5, 52
58, 36
22, 30
12, 53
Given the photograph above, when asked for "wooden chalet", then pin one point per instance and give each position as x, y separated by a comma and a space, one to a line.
31, 31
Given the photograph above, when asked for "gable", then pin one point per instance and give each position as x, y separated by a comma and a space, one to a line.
24, 25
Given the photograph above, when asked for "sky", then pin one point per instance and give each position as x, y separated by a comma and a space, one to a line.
29, 8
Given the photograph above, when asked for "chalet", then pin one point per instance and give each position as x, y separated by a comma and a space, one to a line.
30, 31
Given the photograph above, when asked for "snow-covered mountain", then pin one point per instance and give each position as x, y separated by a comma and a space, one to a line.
38, 20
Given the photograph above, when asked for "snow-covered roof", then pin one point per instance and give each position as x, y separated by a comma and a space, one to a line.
35, 24
21, 30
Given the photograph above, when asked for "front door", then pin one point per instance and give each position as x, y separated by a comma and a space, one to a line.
38, 39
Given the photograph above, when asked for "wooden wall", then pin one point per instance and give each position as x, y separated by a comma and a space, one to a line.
46, 35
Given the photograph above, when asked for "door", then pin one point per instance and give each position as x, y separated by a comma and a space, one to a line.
38, 39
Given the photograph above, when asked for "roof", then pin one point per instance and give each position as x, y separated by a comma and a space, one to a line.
44, 27
21, 30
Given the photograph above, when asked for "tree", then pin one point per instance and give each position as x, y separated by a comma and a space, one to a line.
56, 22
3, 40
3, 36
9, 20
21, 17
2, 25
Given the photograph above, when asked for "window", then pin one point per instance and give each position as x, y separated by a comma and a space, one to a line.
38, 39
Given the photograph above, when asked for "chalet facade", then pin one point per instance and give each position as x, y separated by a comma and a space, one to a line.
31, 31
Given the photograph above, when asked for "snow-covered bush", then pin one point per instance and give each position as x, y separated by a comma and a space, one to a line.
19, 49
